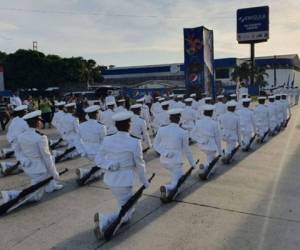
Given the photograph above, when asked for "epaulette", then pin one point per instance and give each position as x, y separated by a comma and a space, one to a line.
164, 125
135, 137
111, 134
100, 123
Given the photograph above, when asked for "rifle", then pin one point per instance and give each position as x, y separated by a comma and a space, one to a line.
205, 176
59, 157
228, 159
53, 146
113, 227
250, 142
82, 181
6, 207
12, 169
182, 179
287, 122
264, 136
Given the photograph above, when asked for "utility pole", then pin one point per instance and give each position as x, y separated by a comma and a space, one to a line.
252, 51
35, 45
275, 73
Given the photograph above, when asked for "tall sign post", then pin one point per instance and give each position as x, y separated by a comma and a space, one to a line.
253, 27
199, 60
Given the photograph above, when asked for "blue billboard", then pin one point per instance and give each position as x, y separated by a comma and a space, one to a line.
253, 24
199, 60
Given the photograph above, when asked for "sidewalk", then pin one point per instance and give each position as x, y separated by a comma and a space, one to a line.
250, 204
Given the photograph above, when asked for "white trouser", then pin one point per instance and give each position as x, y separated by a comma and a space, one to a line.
230, 145
122, 195
273, 125
85, 171
245, 138
261, 130
176, 172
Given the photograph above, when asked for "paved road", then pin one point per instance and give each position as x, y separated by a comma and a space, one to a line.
252, 204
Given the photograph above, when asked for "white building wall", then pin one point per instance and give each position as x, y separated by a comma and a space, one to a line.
283, 75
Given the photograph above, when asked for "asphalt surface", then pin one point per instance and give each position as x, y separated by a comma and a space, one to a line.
251, 204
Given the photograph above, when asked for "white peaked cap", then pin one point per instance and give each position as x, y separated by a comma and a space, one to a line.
110, 103
233, 95
220, 96
92, 109
121, 100
140, 100
271, 97
231, 104
189, 100
71, 104
122, 116
261, 98
172, 95
246, 100
160, 99
180, 96
33, 114
193, 95
207, 98
21, 107
60, 104
208, 107
174, 111
136, 106
165, 103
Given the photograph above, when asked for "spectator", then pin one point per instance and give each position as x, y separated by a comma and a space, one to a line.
45, 107
15, 100
4, 114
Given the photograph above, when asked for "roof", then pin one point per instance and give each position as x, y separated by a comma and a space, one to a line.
178, 68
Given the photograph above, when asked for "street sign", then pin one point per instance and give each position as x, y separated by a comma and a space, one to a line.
253, 25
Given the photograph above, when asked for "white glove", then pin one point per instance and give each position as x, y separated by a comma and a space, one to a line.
146, 184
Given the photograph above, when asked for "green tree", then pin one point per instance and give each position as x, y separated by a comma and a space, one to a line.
242, 73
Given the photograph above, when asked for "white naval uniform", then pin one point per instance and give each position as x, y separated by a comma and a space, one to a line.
124, 153
145, 114
220, 108
92, 134
188, 119
172, 104
207, 135
57, 121
138, 129
286, 111
16, 127
171, 142
261, 118
272, 116
156, 108
107, 121
70, 128
178, 105
160, 119
230, 130
247, 125
110, 99
279, 112
119, 109
39, 164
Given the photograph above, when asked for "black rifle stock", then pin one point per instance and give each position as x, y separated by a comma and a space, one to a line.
6, 206
82, 181
111, 229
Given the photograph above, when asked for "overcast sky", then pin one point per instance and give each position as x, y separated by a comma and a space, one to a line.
139, 32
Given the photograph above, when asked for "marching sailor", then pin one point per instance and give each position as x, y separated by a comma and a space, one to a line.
106, 119
70, 128
207, 135
261, 118
179, 103
92, 134
188, 116
171, 142
172, 102
230, 130
162, 118
156, 107
195, 103
272, 115
279, 111
120, 106
58, 117
220, 107
39, 163
247, 123
16, 127
121, 156
138, 127
110, 98
145, 113
285, 108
